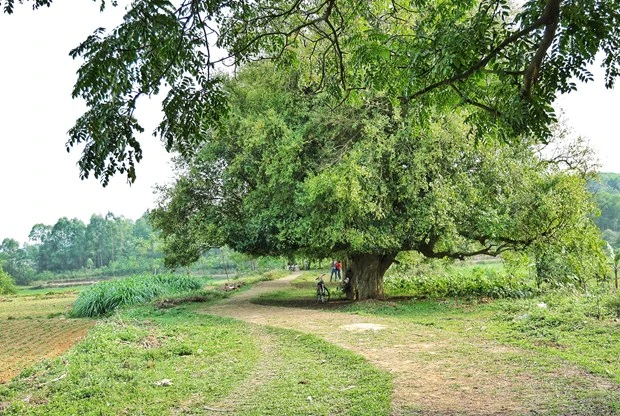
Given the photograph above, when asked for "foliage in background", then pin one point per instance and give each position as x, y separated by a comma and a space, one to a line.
606, 192
106, 246
105, 297
224, 261
109, 246
514, 275
17, 262
427, 278
575, 259
7, 286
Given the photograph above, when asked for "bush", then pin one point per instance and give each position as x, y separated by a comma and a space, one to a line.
7, 286
613, 305
105, 297
462, 282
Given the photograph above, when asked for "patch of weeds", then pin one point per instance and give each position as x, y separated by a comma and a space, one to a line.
561, 324
439, 280
105, 297
613, 305
182, 350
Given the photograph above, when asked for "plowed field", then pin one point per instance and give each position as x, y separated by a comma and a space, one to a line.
33, 328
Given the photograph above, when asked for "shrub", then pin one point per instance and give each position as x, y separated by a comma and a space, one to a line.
105, 297
7, 287
478, 281
613, 305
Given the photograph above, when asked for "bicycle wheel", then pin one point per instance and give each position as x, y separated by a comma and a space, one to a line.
322, 294
326, 295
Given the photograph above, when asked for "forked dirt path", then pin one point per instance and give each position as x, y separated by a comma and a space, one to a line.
435, 372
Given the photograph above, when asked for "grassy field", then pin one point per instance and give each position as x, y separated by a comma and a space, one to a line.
170, 358
164, 358
173, 361
561, 338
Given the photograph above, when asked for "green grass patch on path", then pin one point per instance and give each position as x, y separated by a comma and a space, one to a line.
314, 377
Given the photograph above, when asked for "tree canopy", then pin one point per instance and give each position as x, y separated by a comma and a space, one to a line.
504, 62
376, 129
287, 172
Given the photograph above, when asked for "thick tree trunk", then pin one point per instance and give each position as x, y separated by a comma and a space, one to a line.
364, 275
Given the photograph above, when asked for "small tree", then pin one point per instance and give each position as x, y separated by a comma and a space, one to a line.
7, 286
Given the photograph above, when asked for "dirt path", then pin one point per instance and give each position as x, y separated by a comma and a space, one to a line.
435, 372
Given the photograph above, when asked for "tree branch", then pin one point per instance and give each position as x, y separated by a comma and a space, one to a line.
551, 18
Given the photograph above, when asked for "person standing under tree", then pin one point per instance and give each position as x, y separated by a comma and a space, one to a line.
338, 270
334, 274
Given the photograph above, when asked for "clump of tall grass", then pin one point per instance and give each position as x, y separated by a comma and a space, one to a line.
105, 297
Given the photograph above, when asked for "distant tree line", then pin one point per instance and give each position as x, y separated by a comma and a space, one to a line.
107, 243
606, 193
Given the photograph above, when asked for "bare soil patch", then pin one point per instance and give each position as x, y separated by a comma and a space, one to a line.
363, 326
24, 342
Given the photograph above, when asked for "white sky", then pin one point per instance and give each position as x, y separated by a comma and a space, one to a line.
39, 180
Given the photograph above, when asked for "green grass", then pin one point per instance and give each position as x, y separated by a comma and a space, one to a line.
563, 325
555, 325
211, 362
315, 377
116, 369
105, 297
36, 306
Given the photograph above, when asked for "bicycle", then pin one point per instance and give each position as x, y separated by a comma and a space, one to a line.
322, 292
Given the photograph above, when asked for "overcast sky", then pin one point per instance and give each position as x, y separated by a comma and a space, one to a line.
39, 180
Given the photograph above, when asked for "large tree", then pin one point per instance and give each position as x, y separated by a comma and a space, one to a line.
506, 62
288, 172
